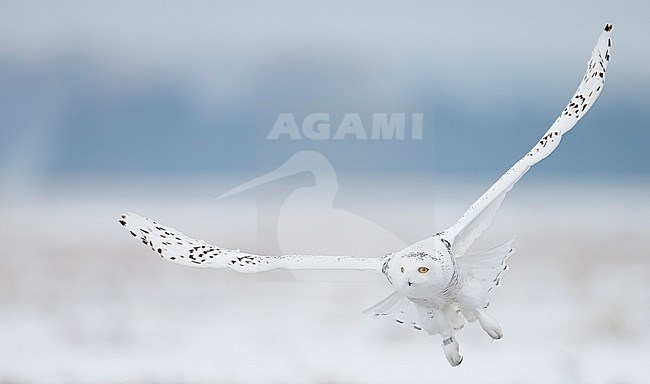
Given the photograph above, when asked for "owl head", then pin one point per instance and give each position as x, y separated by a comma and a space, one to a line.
421, 271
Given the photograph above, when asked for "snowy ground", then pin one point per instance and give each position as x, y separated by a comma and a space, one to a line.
81, 302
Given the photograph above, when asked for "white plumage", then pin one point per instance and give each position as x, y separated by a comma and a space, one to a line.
437, 285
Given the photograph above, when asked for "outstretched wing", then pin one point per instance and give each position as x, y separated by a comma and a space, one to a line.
488, 266
478, 217
172, 245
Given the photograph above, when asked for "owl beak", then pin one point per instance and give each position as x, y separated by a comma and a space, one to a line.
409, 283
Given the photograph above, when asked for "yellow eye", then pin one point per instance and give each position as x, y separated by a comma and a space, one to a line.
402, 269
423, 269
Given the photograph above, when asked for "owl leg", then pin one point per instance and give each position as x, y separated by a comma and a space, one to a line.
452, 350
488, 324
449, 343
453, 313
469, 315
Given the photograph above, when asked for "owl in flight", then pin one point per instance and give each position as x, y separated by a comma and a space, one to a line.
438, 286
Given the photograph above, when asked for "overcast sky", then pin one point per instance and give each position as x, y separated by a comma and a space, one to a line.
148, 87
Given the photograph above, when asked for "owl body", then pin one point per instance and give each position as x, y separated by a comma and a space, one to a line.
429, 275
443, 290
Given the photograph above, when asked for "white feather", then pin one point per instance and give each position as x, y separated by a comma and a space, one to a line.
174, 246
479, 215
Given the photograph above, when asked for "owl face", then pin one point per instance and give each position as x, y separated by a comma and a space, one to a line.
420, 272
416, 275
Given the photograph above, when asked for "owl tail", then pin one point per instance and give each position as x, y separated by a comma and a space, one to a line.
398, 308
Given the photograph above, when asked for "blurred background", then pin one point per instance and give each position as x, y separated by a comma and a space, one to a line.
161, 107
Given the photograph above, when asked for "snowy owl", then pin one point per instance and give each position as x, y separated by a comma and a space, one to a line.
437, 285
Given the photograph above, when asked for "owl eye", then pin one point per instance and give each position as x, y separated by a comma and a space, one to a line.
423, 269
402, 269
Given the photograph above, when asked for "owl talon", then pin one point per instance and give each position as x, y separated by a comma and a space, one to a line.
489, 325
452, 351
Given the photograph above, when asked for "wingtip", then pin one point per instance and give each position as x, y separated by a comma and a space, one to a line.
608, 27
127, 217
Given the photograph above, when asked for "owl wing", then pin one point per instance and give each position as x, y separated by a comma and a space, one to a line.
479, 215
172, 245
487, 266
